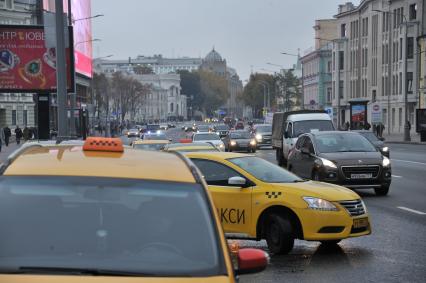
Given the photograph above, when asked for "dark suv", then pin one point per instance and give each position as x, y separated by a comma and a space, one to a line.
344, 158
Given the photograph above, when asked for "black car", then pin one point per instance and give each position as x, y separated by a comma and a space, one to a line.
343, 158
240, 140
222, 130
263, 134
376, 141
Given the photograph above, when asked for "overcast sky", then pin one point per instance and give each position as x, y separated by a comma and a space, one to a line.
247, 33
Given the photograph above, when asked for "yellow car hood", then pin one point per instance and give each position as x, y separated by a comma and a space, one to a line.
101, 279
322, 190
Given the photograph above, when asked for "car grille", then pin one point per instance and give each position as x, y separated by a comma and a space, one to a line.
266, 137
366, 169
354, 207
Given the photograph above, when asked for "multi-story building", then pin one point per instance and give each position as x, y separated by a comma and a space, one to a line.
157, 63
164, 101
375, 59
317, 66
213, 62
18, 108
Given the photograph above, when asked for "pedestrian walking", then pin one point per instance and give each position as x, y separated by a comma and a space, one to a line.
7, 133
18, 135
1, 138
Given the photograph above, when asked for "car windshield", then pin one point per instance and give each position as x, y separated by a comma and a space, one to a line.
343, 142
240, 135
152, 128
154, 146
222, 128
122, 225
264, 129
264, 170
302, 127
370, 136
155, 137
203, 128
206, 137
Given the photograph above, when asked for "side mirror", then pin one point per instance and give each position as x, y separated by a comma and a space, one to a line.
286, 134
251, 261
170, 140
304, 150
237, 181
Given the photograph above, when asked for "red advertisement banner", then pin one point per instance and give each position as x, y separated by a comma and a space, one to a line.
26, 65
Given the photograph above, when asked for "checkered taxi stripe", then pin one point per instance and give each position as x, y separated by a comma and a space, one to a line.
273, 194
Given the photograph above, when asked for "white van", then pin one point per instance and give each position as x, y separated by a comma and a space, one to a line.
288, 126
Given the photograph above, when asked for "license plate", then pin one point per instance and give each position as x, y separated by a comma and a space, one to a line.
362, 176
360, 223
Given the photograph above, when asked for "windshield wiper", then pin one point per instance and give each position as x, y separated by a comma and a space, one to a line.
77, 271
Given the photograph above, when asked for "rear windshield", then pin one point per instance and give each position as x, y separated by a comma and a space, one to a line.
240, 135
303, 127
339, 142
206, 137
155, 146
146, 227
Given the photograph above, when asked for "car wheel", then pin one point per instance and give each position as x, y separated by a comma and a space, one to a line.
382, 191
330, 243
279, 235
316, 176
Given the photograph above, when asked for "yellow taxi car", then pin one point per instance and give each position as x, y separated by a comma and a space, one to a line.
259, 200
150, 144
102, 213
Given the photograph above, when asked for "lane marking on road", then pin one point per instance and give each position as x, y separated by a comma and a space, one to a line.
411, 210
408, 161
396, 176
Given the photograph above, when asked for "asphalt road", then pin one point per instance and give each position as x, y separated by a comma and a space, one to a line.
394, 252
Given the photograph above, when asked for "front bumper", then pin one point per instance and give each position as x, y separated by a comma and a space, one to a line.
241, 147
333, 225
339, 177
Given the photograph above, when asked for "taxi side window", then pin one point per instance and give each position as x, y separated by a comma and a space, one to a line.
214, 173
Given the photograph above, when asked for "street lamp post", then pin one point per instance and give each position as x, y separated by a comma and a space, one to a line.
303, 89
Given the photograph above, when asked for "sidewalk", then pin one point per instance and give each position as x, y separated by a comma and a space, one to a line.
399, 138
7, 150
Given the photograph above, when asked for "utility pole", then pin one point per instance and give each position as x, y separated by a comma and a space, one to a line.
407, 136
61, 79
338, 84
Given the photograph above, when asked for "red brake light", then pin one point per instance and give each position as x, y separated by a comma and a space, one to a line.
185, 141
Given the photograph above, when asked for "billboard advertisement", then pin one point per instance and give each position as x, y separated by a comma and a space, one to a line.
358, 113
26, 65
80, 11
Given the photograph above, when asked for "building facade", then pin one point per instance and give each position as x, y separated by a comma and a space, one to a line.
164, 102
376, 58
317, 66
18, 109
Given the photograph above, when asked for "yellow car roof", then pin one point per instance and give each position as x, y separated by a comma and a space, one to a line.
151, 142
71, 160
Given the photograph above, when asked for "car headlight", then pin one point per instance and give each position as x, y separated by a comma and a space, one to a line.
320, 204
233, 143
364, 206
259, 137
385, 149
252, 142
385, 162
328, 163
221, 145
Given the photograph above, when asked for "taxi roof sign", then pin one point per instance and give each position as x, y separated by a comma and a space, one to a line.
103, 144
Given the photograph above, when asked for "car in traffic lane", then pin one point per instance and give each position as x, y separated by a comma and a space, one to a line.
376, 141
102, 211
340, 157
150, 144
260, 200
240, 140
212, 138
263, 134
